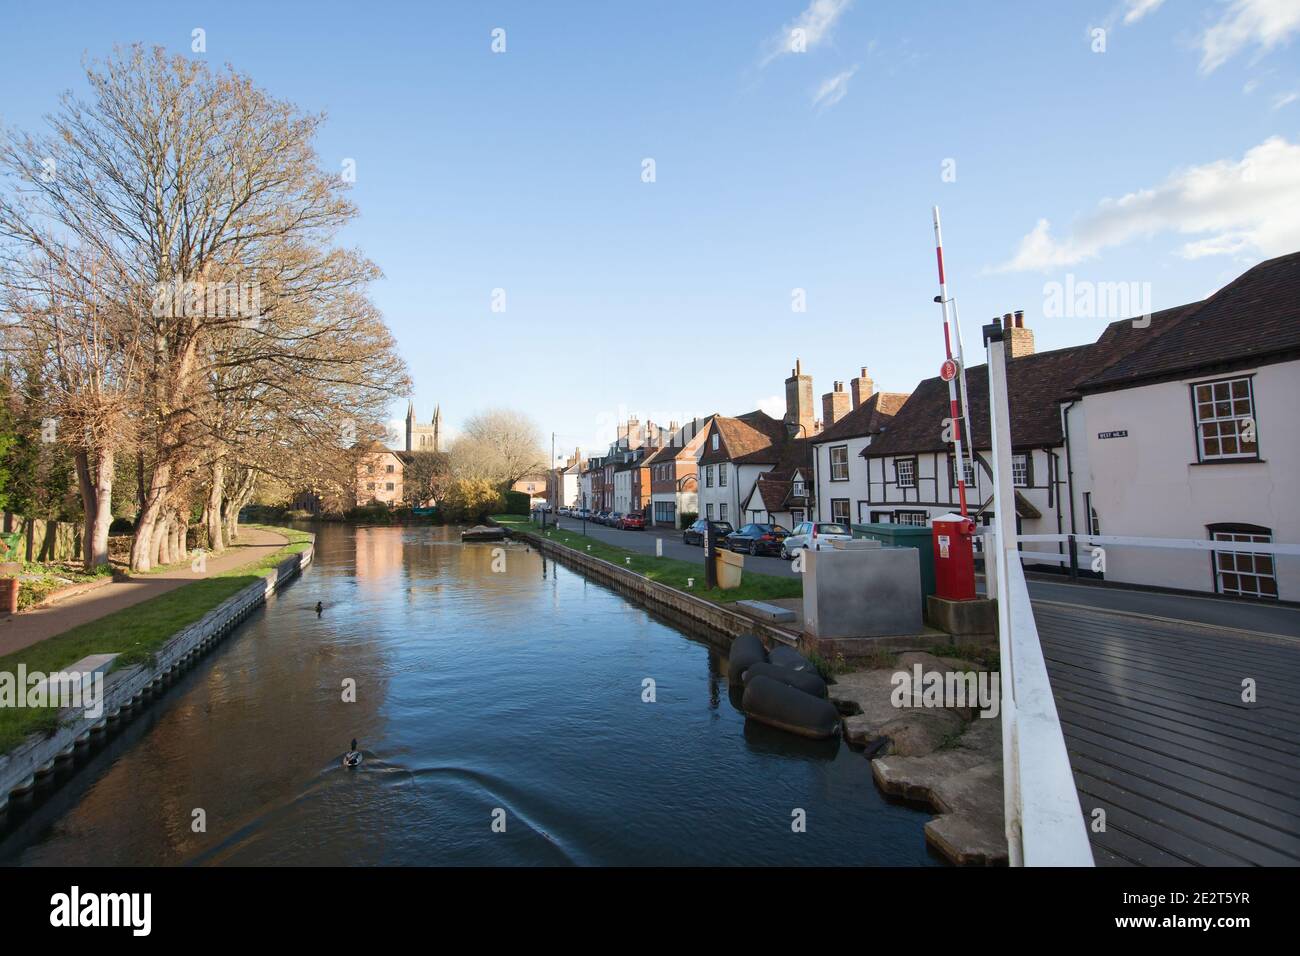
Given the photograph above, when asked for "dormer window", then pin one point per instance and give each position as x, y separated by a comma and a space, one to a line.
715, 441
799, 489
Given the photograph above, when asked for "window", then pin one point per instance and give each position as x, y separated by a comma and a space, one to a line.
968, 471
1247, 573
715, 441
390, 469
1225, 420
708, 511
1094, 523
370, 486
390, 486
840, 463
1020, 471
840, 510
708, 477
796, 516
722, 476
918, 518
722, 511
905, 472
800, 489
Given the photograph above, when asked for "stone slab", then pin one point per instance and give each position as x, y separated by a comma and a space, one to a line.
768, 612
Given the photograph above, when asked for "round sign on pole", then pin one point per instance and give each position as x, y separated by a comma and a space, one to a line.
948, 371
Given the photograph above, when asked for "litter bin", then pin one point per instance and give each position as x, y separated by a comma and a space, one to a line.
904, 536
730, 566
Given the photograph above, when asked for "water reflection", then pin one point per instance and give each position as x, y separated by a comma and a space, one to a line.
477, 691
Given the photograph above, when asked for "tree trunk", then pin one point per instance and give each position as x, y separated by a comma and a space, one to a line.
160, 539
89, 502
216, 492
105, 464
97, 503
143, 545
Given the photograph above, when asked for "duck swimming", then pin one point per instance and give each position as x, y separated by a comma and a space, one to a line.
353, 756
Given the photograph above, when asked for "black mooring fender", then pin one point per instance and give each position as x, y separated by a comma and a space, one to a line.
809, 683
746, 649
781, 705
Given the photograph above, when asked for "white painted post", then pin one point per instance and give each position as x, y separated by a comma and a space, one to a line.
1004, 524
1044, 822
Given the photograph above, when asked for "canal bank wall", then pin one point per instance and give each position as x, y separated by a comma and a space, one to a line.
128, 690
678, 605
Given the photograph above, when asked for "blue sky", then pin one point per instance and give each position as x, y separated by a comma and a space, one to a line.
1170, 158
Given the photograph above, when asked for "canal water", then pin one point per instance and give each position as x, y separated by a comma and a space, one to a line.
513, 696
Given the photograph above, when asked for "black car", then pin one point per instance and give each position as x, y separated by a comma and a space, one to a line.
758, 539
695, 533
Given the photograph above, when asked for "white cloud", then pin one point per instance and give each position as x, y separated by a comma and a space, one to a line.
1135, 10
1248, 205
815, 26
774, 405
1285, 99
1262, 23
833, 90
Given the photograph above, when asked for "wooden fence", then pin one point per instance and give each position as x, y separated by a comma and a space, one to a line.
42, 540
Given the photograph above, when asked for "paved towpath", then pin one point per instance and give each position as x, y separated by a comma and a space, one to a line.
28, 627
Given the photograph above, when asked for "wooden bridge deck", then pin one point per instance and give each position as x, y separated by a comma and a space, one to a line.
1159, 737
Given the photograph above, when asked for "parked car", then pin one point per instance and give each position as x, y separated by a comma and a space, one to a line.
816, 535
758, 539
633, 520
695, 533
602, 517
613, 518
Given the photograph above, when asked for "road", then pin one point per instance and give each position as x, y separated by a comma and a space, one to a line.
1219, 612
644, 542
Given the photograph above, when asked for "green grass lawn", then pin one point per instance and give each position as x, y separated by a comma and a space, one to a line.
670, 571
135, 632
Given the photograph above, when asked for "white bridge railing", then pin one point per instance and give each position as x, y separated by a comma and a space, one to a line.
1043, 819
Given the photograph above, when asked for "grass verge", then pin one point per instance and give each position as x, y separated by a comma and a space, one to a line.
670, 571
135, 632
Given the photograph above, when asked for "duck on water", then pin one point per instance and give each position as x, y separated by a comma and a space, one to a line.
353, 756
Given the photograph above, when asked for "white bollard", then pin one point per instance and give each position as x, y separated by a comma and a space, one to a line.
659, 547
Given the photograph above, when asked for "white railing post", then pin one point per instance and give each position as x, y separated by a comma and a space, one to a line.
1004, 533
1044, 823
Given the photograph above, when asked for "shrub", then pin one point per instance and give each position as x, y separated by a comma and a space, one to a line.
688, 518
472, 499
517, 503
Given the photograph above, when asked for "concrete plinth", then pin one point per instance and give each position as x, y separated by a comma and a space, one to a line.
967, 621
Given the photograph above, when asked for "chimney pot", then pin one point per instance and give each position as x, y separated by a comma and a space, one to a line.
1007, 320
1020, 318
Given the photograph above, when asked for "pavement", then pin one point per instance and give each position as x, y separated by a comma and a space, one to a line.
1254, 616
29, 627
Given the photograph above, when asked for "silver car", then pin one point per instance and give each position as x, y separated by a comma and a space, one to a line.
814, 534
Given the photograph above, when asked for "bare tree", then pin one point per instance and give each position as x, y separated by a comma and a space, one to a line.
202, 197
500, 446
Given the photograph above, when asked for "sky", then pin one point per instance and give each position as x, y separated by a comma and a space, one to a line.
652, 190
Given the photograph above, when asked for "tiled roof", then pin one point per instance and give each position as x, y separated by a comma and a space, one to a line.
1253, 318
867, 419
753, 438
1035, 384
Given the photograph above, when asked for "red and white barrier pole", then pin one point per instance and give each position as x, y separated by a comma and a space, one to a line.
950, 369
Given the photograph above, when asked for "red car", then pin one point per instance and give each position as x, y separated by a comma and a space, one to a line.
632, 520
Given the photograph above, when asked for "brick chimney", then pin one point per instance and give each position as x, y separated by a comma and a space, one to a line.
862, 387
1019, 341
799, 402
835, 405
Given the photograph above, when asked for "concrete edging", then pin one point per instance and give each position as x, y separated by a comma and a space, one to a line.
714, 616
126, 691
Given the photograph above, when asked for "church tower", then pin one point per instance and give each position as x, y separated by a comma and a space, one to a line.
423, 437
